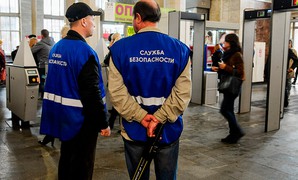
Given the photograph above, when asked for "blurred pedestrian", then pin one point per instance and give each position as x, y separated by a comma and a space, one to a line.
232, 63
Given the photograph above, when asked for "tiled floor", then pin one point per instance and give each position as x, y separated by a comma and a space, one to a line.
258, 155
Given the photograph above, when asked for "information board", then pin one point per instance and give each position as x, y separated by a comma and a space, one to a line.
285, 4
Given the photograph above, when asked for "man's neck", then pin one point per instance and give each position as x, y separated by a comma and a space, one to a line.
149, 24
80, 31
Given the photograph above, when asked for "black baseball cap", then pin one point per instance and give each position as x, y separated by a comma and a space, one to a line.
32, 36
78, 11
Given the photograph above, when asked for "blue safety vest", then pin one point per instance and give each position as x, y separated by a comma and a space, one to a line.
150, 63
62, 115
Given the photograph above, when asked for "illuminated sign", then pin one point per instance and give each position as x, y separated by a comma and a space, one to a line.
120, 12
261, 14
256, 14
284, 4
130, 31
123, 12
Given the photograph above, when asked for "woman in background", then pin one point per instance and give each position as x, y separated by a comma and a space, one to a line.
232, 64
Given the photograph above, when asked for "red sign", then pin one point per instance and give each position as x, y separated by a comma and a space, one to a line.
295, 3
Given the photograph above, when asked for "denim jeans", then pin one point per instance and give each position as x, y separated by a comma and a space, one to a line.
227, 110
165, 160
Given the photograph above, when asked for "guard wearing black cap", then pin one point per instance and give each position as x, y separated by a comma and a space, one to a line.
80, 10
74, 107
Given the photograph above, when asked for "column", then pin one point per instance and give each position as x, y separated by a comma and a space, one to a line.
33, 17
25, 21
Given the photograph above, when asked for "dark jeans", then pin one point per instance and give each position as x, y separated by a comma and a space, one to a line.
165, 160
77, 155
227, 110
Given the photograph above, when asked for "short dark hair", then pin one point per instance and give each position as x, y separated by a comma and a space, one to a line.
291, 42
147, 12
45, 33
110, 37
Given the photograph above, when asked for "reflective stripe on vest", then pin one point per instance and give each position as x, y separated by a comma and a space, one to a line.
63, 100
153, 101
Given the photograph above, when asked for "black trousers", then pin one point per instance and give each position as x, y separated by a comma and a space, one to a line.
77, 155
42, 73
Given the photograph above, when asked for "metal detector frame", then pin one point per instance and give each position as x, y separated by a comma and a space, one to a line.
198, 48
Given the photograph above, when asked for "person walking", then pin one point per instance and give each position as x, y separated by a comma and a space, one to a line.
232, 64
149, 84
41, 52
216, 58
113, 113
73, 108
292, 62
2, 65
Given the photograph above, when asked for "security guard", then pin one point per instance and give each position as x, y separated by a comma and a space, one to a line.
150, 83
73, 106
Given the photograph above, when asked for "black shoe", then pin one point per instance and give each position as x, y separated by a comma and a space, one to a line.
286, 104
46, 140
226, 139
232, 139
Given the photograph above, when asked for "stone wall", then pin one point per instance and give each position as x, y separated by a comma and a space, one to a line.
263, 31
232, 11
225, 11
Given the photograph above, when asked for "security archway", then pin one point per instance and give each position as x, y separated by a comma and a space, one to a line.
198, 48
250, 18
280, 34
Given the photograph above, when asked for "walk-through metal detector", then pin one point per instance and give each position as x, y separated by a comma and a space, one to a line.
198, 48
280, 34
248, 38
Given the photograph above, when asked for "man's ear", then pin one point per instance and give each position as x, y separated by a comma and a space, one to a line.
83, 22
138, 18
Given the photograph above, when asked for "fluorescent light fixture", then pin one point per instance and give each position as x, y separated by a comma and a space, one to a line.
267, 1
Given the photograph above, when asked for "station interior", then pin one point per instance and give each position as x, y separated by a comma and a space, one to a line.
269, 149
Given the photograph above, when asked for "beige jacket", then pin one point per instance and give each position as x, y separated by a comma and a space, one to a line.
129, 109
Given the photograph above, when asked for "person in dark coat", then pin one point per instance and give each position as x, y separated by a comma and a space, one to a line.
41, 51
232, 61
14, 53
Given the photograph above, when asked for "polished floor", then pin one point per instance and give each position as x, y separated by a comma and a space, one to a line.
257, 156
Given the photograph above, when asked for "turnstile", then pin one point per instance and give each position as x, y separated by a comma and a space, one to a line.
22, 85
